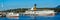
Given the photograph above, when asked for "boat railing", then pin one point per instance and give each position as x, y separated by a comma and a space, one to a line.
23, 14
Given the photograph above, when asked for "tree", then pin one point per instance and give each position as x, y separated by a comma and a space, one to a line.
58, 6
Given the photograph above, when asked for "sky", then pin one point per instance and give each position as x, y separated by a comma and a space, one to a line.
12, 4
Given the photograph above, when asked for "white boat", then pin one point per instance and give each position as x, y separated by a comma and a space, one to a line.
40, 13
12, 15
2, 14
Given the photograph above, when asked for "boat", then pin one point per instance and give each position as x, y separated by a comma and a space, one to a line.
2, 14
12, 15
44, 12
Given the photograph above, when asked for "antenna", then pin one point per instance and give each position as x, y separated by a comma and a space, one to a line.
2, 4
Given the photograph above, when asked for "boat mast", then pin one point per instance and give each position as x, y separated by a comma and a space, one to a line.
35, 9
